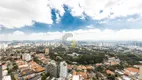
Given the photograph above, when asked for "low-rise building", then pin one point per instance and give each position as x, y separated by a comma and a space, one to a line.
113, 61
7, 77
35, 67
110, 72
130, 71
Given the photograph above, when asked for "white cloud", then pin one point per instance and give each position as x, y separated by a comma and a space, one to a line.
90, 34
92, 8
89, 27
20, 13
18, 33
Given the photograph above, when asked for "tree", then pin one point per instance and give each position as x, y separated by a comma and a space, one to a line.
15, 67
73, 44
44, 76
12, 77
110, 77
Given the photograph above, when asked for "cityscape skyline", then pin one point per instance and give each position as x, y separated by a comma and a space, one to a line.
70, 40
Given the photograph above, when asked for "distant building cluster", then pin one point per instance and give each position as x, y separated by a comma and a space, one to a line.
89, 61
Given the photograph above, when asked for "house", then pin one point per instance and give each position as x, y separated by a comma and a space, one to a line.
130, 71
7, 77
113, 61
110, 72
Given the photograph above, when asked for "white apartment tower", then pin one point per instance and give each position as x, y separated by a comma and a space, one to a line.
63, 69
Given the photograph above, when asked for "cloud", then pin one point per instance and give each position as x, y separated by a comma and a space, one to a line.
89, 27
20, 13
18, 33
92, 8
90, 34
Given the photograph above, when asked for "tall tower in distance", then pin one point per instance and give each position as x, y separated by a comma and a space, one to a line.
46, 51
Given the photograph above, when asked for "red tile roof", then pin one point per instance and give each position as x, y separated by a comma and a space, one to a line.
109, 72
131, 69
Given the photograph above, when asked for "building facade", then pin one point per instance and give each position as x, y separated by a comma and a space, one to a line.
1, 72
46, 51
26, 57
52, 69
63, 69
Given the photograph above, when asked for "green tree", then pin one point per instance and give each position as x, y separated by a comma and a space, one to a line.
44, 76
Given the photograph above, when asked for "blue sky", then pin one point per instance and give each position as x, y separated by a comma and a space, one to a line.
67, 23
69, 16
71, 23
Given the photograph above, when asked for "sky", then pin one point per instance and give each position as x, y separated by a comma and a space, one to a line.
85, 19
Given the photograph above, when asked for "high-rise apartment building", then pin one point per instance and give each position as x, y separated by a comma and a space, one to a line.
63, 69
